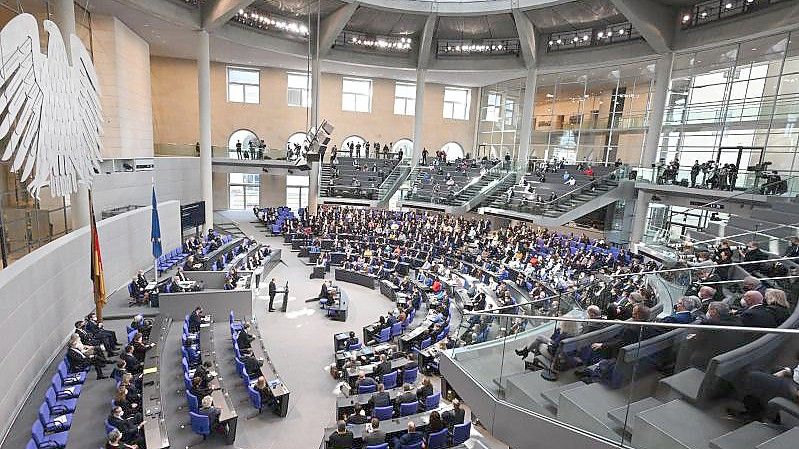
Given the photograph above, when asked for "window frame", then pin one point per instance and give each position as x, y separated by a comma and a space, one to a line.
356, 95
305, 92
405, 100
451, 105
229, 84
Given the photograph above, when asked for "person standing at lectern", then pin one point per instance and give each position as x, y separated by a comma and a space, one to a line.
272, 293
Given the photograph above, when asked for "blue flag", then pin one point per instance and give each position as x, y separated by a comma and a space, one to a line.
155, 234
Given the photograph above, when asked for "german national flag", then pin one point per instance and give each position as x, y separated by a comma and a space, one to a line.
96, 275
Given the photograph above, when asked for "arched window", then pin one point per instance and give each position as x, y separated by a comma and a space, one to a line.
245, 136
404, 145
297, 138
454, 150
355, 141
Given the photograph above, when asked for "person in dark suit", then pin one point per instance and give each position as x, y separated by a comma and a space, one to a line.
384, 367
128, 426
406, 397
759, 388
352, 340
364, 381
115, 441
409, 438
195, 319
132, 364
455, 416
143, 326
341, 438
682, 312
208, 409
95, 328
79, 361
244, 339
630, 334
380, 398
272, 293
358, 416
139, 347
323, 291
424, 390
755, 314
251, 365
373, 435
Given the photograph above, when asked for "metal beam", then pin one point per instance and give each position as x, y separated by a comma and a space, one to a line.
332, 25
656, 22
216, 13
527, 38
426, 42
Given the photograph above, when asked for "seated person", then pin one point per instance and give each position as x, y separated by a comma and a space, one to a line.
208, 409
754, 313
759, 388
79, 360
342, 438
718, 313
198, 389
244, 338
424, 390
139, 347
251, 365
548, 346
683, 311
455, 416
128, 402
129, 427
352, 340
630, 334
195, 320
262, 387
380, 398
435, 424
409, 438
364, 381
406, 397
229, 285
142, 325
373, 436
115, 441
777, 303
358, 416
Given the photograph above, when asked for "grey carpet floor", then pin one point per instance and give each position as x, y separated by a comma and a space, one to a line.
300, 343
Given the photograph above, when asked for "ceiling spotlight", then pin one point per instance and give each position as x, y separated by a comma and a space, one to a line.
728, 5
575, 39
686, 18
621, 31
408, 41
550, 42
499, 47
585, 38
559, 41
703, 14
241, 12
600, 35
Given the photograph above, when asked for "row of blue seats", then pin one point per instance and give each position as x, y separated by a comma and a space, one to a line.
389, 381
51, 429
190, 358
236, 326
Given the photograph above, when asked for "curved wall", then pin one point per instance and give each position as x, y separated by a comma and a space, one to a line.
45, 292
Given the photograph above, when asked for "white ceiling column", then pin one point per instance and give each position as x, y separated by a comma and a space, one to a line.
656, 23
216, 13
425, 45
333, 25
528, 43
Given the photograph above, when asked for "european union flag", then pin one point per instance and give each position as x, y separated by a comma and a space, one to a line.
155, 234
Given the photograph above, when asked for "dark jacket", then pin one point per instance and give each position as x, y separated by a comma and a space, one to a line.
341, 440
380, 399
758, 316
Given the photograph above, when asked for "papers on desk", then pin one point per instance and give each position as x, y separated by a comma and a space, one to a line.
205, 325
60, 419
151, 370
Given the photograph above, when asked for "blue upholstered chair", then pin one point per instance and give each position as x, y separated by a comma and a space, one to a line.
438, 440
362, 389
194, 405
409, 408
409, 375
70, 378
461, 432
426, 343
413, 446
378, 446
383, 413
56, 440
390, 380
59, 407
53, 423
396, 330
431, 402
200, 424
384, 336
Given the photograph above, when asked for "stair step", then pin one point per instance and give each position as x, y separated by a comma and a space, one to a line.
587, 408
678, 424
745, 437
552, 395
617, 415
785, 440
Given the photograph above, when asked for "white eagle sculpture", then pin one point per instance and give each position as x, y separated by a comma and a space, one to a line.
50, 114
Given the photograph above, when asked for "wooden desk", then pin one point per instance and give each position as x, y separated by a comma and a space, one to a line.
227, 416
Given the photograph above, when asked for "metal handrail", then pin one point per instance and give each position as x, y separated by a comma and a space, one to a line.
401, 166
557, 200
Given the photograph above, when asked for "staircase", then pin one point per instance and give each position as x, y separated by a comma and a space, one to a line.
579, 199
393, 182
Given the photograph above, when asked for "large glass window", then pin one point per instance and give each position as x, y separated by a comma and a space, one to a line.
456, 103
404, 98
297, 191
242, 137
243, 85
740, 95
298, 92
356, 95
245, 190
500, 115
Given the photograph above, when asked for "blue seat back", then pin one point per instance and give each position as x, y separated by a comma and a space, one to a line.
255, 397
383, 413
426, 342
354, 347
413, 446
108, 427
409, 375
367, 389
461, 432
378, 446
194, 405
438, 440
396, 329
385, 335
409, 408
200, 424
390, 380
431, 402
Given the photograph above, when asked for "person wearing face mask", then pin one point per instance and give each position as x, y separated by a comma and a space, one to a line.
130, 428
718, 314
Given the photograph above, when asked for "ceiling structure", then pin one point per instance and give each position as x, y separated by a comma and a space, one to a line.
170, 27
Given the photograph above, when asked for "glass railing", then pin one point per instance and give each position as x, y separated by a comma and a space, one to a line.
451, 197
27, 224
660, 368
590, 122
168, 149
760, 182
532, 203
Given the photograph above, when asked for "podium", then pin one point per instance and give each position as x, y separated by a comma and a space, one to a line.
285, 292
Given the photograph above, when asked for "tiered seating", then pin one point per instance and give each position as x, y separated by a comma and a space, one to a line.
51, 429
465, 174
274, 217
370, 179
